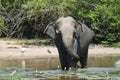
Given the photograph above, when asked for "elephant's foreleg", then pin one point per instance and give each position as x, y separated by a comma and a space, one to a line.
67, 61
83, 62
63, 61
63, 58
83, 58
62, 53
71, 62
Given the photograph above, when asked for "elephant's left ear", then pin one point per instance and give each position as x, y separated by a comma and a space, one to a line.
79, 28
85, 34
50, 30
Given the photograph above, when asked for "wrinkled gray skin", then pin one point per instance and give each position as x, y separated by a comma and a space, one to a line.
72, 39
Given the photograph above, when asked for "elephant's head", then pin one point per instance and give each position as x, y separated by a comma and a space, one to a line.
69, 30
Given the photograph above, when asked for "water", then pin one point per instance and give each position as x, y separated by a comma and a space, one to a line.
99, 68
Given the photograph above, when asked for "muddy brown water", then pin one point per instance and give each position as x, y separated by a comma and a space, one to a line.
47, 68
53, 62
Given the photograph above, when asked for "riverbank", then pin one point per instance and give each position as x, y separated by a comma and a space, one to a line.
11, 50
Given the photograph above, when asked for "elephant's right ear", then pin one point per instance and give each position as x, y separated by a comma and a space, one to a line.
50, 30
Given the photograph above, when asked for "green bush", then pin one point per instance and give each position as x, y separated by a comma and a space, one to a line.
28, 18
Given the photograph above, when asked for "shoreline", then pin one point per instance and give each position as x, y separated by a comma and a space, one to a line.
11, 50
50, 51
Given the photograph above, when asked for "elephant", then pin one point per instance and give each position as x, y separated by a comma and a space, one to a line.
72, 39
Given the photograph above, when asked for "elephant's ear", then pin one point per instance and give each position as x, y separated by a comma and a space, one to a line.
85, 34
50, 30
79, 26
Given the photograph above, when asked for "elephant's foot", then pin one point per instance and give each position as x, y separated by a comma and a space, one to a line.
83, 67
69, 68
72, 69
64, 68
83, 62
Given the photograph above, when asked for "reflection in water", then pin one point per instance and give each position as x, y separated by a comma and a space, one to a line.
23, 65
53, 62
102, 61
37, 63
47, 68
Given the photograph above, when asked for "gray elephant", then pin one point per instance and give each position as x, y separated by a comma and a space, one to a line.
72, 39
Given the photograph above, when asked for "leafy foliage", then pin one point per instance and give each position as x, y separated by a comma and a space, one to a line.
28, 18
108, 20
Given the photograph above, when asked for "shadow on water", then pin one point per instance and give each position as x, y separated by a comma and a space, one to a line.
99, 68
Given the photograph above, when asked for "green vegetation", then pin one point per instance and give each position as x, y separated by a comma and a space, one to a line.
28, 18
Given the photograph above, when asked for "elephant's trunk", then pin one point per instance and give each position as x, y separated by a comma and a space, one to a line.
72, 53
68, 43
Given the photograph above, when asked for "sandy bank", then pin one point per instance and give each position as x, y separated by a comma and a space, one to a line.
11, 50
